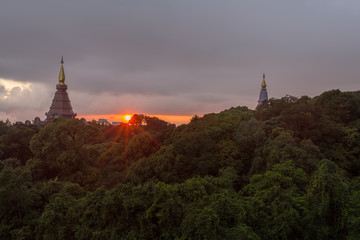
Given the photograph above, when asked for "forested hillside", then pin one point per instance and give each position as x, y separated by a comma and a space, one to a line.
288, 170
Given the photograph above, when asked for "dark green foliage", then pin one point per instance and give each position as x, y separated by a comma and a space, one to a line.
60, 150
282, 146
18, 201
200, 148
276, 202
16, 142
237, 174
354, 209
55, 221
342, 107
328, 203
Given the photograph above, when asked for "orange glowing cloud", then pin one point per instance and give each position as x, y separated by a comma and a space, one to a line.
178, 120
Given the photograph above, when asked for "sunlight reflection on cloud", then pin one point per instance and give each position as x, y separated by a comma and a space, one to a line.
11, 87
20, 100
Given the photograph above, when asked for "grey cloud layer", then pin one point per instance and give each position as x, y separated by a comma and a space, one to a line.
212, 53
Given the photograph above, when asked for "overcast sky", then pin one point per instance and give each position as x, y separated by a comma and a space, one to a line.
173, 57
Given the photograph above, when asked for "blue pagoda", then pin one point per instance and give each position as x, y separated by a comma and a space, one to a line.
263, 92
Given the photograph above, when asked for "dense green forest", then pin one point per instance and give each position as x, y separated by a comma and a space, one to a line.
288, 170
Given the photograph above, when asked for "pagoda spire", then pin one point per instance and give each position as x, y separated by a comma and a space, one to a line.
263, 84
62, 73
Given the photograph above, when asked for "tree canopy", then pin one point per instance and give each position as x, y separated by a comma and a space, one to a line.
288, 170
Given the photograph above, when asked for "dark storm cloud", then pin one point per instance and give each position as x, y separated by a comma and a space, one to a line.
195, 54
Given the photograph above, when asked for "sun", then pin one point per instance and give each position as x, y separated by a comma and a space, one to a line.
127, 117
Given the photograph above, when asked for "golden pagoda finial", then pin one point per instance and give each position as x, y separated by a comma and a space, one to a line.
263, 84
62, 73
